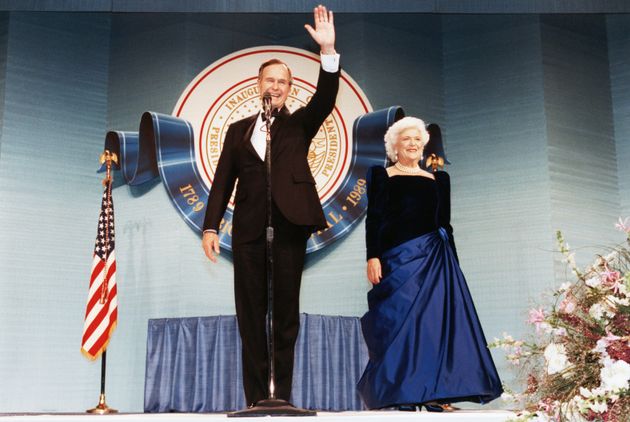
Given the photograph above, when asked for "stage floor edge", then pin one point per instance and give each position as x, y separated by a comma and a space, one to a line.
364, 416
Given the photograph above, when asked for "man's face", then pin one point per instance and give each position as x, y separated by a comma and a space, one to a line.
275, 80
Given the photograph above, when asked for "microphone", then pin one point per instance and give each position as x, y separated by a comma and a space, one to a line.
266, 99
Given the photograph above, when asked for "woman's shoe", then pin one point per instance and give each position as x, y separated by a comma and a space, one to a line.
437, 407
407, 407
433, 407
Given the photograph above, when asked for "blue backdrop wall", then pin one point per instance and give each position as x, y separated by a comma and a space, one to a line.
535, 112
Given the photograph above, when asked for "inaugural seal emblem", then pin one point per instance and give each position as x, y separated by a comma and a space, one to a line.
226, 91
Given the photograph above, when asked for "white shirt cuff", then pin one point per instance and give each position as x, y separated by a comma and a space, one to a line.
330, 62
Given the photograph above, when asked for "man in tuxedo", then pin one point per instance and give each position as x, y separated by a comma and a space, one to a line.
296, 211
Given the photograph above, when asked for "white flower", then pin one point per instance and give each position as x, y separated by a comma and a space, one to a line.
623, 225
598, 311
612, 255
545, 327
615, 375
570, 258
507, 337
556, 358
510, 397
573, 408
600, 347
560, 332
598, 406
539, 417
593, 282
514, 359
565, 286
580, 403
567, 305
594, 393
526, 416
618, 301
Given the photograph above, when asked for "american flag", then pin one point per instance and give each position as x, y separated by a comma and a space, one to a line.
101, 314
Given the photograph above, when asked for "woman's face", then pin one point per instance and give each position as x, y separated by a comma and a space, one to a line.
409, 146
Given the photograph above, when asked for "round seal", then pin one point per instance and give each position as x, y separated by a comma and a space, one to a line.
227, 91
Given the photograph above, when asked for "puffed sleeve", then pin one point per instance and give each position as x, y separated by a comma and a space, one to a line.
376, 181
444, 210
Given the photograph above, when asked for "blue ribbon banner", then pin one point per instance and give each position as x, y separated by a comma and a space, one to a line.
164, 146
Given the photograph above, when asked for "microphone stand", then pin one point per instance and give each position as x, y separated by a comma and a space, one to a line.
270, 406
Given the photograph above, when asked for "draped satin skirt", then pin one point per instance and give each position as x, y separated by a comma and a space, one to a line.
423, 335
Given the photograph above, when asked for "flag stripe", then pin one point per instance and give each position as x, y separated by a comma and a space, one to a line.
101, 343
104, 318
101, 318
95, 289
99, 315
99, 312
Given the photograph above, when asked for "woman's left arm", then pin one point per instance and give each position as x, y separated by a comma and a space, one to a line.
444, 214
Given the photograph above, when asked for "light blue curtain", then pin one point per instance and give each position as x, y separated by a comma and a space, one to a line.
194, 364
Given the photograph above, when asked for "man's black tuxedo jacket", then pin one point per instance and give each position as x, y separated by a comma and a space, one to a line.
293, 186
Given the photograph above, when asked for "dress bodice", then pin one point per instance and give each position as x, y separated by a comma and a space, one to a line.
401, 208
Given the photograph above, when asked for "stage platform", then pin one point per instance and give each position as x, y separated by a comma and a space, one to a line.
364, 416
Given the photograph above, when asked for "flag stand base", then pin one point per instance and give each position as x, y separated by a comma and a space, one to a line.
101, 408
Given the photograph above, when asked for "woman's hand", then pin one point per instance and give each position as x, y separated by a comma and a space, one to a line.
374, 273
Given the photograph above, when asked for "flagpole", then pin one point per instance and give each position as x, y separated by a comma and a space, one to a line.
102, 408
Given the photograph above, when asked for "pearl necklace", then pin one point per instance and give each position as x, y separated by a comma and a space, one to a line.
405, 169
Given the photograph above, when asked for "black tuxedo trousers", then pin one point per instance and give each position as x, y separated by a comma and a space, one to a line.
289, 248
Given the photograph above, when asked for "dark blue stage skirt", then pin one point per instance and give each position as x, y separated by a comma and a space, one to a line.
424, 338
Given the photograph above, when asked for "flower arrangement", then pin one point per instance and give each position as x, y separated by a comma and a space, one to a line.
577, 366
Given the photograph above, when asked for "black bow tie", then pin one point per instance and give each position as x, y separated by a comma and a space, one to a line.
274, 113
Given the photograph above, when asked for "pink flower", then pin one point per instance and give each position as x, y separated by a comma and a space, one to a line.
604, 342
546, 407
611, 279
610, 337
537, 317
567, 306
616, 287
623, 225
609, 276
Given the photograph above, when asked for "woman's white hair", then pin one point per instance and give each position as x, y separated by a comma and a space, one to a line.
392, 134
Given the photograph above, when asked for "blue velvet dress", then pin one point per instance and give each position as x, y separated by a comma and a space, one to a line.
424, 338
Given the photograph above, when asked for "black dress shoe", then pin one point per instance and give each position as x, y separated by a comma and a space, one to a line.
407, 407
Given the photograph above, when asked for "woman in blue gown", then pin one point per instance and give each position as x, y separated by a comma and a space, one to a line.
425, 342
